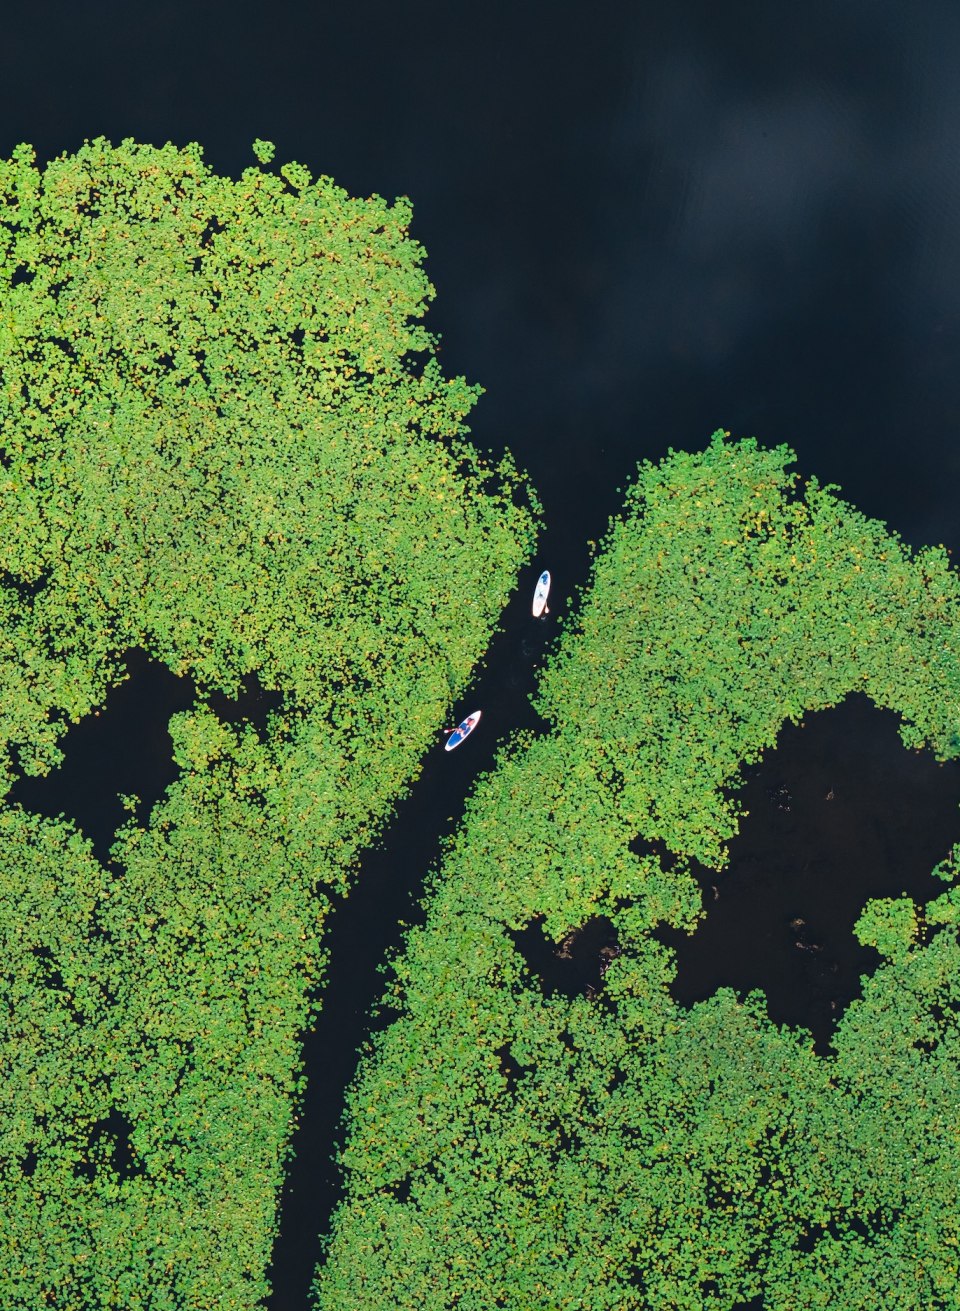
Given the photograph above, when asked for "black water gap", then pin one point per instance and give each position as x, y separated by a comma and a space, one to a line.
839, 812
108, 1149
125, 747
575, 966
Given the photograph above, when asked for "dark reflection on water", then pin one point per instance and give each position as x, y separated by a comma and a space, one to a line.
839, 812
749, 220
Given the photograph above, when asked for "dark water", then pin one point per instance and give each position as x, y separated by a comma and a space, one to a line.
576, 965
839, 812
643, 222
125, 747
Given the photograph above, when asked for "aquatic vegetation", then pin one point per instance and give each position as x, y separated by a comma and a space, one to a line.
224, 439
509, 1146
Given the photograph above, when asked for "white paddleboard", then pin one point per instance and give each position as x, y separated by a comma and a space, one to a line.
462, 731
541, 594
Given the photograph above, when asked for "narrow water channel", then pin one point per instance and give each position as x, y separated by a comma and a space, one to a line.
367, 926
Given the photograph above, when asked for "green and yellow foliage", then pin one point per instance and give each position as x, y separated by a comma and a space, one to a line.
511, 1147
225, 439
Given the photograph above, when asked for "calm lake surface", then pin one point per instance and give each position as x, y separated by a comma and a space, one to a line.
643, 222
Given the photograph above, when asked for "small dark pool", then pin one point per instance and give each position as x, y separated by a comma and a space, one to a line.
840, 812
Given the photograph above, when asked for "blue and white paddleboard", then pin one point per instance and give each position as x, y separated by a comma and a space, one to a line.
462, 731
541, 594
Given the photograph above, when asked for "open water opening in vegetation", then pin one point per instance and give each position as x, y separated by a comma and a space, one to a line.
125, 747
575, 966
839, 813
108, 1148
